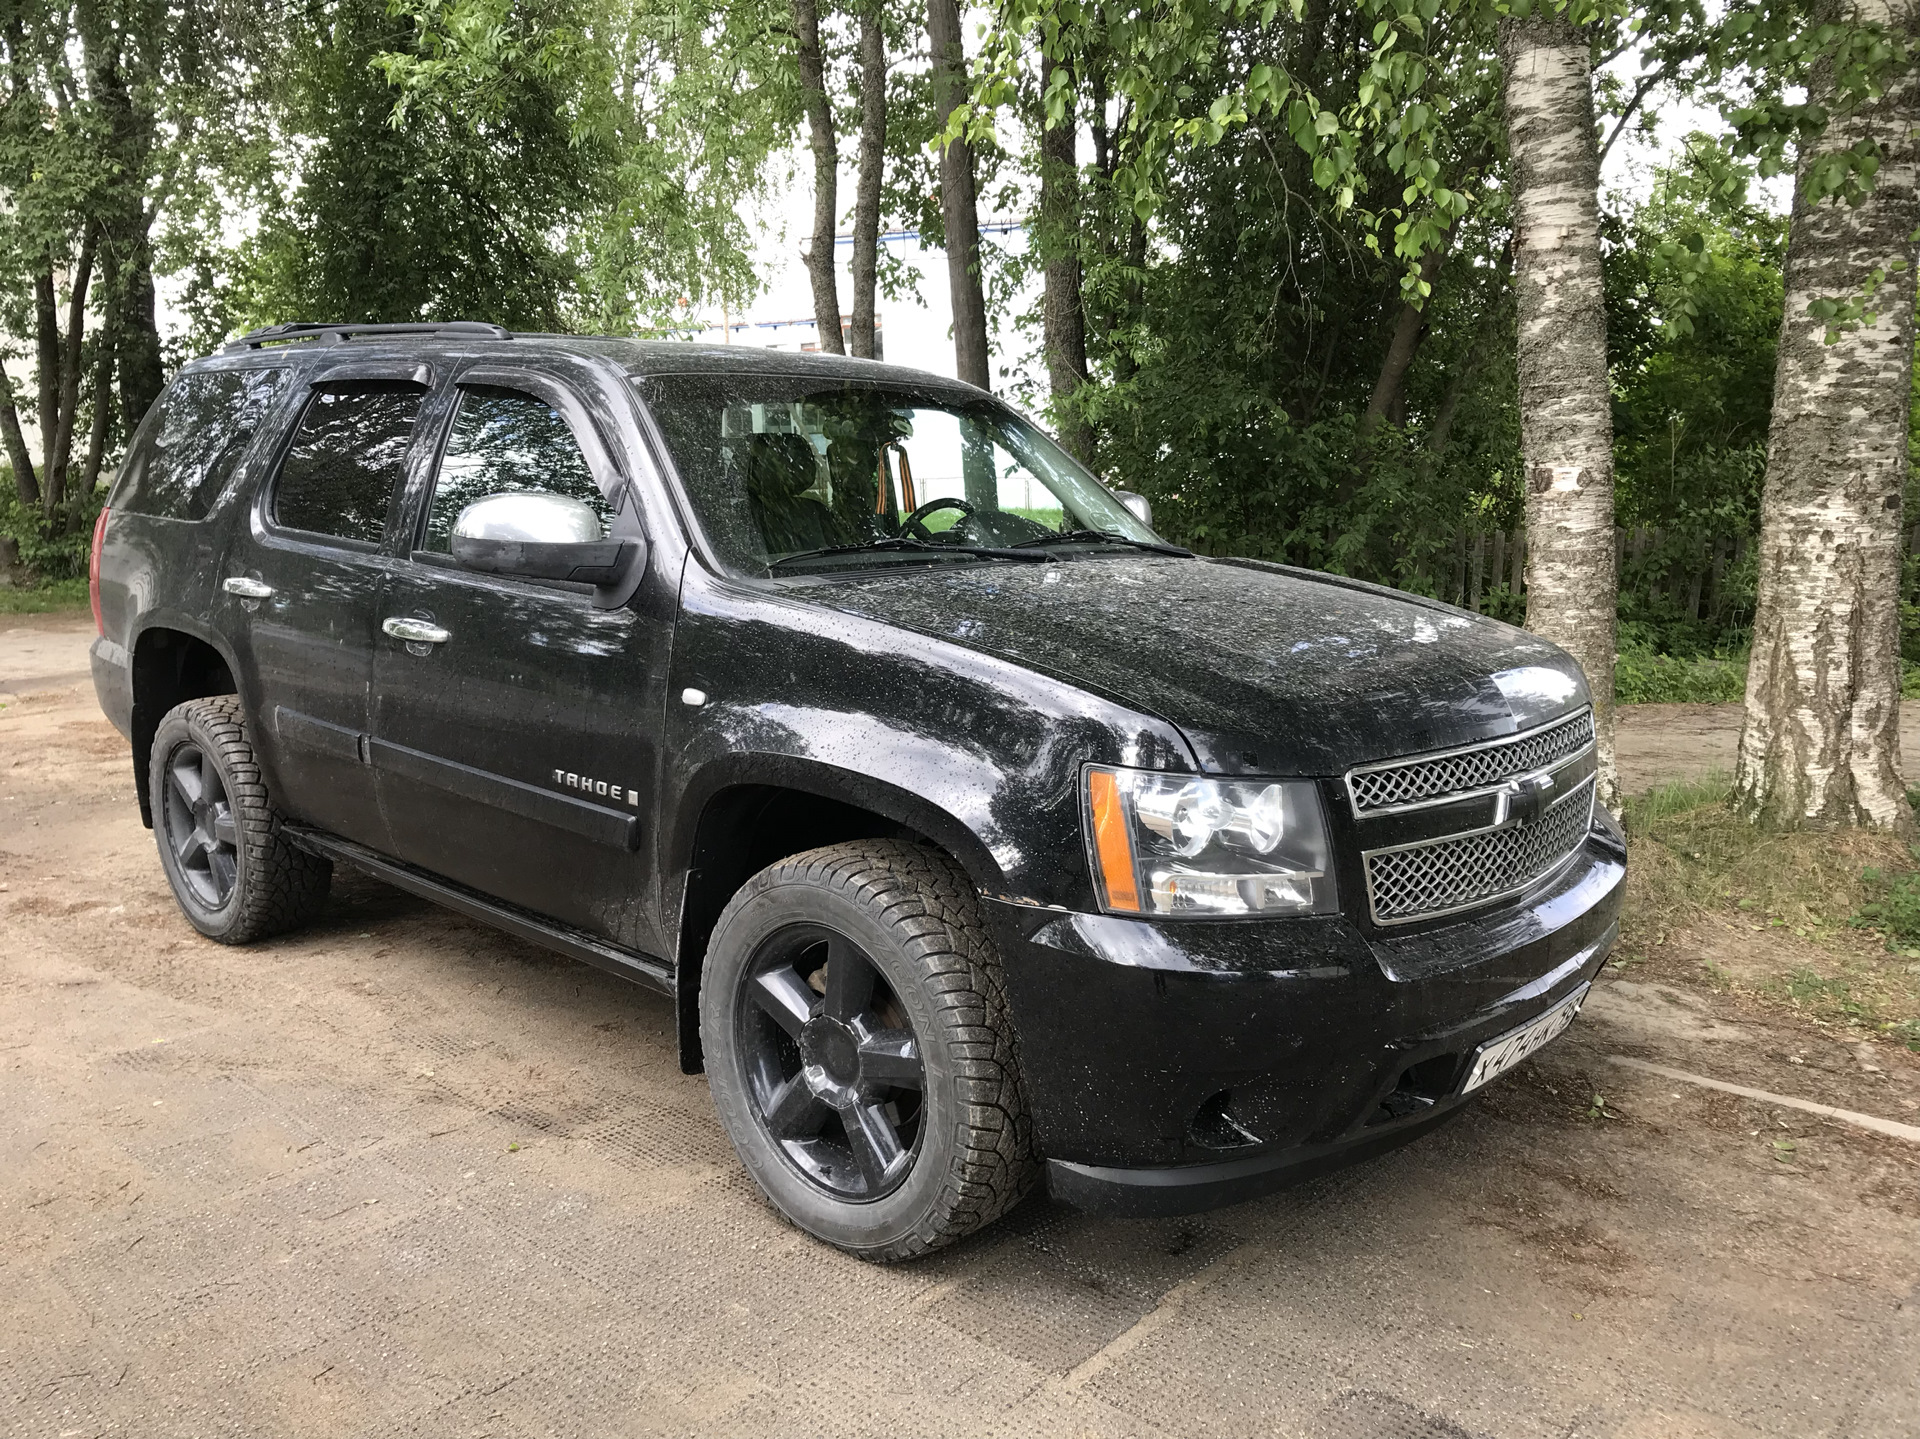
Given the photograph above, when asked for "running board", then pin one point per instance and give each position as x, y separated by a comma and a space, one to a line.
573, 943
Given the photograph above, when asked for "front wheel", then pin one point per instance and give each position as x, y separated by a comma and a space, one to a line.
859, 1050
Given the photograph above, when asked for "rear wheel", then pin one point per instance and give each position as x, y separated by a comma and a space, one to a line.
234, 874
859, 1050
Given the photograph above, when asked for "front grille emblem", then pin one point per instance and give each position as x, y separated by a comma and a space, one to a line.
1522, 801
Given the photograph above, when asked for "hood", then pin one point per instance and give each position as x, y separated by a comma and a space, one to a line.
1265, 669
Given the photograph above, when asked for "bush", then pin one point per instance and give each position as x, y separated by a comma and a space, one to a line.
1642, 677
56, 549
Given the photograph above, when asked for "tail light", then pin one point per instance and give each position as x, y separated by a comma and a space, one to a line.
93, 569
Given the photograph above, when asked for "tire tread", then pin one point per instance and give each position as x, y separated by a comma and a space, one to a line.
281, 885
928, 901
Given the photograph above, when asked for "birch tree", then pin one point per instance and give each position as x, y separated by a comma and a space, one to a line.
1820, 744
1566, 416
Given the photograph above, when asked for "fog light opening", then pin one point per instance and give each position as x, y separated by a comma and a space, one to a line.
1214, 1126
1419, 1088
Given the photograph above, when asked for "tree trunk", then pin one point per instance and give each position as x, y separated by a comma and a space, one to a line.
1064, 323
1566, 420
66, 398
959, 203
1408, 329
826, 175
26, 481
102, 422
866, 195
1820, 745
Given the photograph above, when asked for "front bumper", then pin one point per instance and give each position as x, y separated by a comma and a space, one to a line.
1174, 1067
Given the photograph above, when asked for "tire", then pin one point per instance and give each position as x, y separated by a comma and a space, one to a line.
808, 1106
233, 872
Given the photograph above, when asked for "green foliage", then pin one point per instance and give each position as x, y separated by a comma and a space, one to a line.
1894, 908
405, 208
51, 548
1691, 342
543, 164
1643, 677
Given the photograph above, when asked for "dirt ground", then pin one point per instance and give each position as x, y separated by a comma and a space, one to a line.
1658, 743
402, 1175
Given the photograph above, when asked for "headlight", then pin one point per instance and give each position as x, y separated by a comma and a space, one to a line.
1184, 845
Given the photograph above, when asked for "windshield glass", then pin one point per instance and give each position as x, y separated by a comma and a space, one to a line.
782, 466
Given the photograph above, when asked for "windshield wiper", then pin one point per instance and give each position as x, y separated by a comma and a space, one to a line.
903, 542
1105, 537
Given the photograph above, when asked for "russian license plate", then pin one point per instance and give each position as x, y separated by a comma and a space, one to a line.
1497, 1056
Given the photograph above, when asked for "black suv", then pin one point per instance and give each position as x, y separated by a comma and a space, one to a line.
978, 834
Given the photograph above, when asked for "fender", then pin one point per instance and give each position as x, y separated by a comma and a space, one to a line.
144, 717
826, 781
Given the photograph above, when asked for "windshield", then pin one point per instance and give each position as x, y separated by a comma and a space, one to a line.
782, 467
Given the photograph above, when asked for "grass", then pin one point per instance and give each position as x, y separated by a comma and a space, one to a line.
44, 598
1815, 921
1643, 677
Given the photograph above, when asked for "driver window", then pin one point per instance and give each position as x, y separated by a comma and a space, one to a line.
501, 441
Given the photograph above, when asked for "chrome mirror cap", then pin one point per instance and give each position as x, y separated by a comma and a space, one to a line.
1137, 506
529, 517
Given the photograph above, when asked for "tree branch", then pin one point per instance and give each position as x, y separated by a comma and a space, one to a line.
1647, 82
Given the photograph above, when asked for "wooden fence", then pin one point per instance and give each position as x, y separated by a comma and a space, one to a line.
1687, 571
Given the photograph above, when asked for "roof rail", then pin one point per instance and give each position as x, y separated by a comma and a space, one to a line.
310, 332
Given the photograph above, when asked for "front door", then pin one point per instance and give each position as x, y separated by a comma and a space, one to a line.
516, 744
300, 590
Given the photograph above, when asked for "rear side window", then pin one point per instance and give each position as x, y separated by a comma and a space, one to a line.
505, 440
205, 424
348, 456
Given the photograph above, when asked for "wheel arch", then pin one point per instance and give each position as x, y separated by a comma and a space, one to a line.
171, 662
747, 812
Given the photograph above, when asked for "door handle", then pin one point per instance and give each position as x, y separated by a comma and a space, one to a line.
247, 589
416, 632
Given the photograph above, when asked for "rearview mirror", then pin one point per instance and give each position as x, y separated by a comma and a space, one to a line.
1136, 505
541, 536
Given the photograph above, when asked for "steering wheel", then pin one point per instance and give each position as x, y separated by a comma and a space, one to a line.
914, 523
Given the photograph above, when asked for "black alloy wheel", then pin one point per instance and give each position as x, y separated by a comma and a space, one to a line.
832, 1063
200, 828
233, 870
854, 1030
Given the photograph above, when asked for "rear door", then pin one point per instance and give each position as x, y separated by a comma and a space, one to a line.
300, 588
517, 749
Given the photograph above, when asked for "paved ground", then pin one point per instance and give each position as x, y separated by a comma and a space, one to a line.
401, 1175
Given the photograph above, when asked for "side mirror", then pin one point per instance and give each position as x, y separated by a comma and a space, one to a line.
543, 537
1136, 505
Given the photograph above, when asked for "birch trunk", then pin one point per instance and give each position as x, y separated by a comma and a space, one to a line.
959, 201
866, 195
826, 175
1063, 322
1566, 419
1820, 745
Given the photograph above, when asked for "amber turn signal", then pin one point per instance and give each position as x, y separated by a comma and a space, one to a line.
1111, 842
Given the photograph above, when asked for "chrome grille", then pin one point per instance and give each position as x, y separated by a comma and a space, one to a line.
1416, 781
1435, 877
